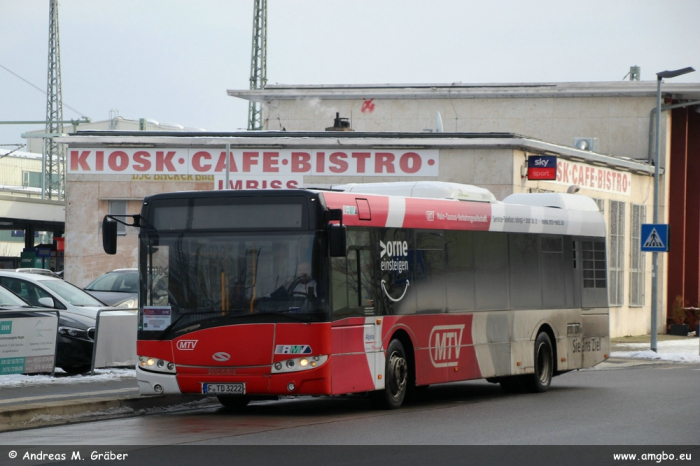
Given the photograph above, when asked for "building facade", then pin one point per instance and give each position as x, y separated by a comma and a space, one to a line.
614, 118
112, 173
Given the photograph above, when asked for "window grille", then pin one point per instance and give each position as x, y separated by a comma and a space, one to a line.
617, 253
593, 264
637, 263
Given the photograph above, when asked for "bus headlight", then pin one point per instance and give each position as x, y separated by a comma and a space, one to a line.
298, 364
156, 365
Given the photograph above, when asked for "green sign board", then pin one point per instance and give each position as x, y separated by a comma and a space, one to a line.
28, 259
11, 366
6, 327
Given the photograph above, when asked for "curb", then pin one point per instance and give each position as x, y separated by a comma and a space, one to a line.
65, 412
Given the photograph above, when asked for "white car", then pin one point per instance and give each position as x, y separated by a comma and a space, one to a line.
46, 291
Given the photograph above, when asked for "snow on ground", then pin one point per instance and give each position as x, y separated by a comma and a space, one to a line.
101, 375
649, 354
684, 350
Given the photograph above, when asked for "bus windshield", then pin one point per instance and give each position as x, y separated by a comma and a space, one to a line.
198, 276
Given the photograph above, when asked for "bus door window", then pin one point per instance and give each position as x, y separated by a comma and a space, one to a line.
339, 285
430, 272
352, 278
158, 268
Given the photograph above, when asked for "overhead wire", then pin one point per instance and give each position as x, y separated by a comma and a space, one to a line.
39, 89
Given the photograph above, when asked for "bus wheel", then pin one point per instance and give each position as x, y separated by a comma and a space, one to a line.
234, 402
395, 378
544, 366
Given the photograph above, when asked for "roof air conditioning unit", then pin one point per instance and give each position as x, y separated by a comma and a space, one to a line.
589, 144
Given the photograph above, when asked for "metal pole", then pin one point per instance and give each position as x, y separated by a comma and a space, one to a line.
228, 167
655, 255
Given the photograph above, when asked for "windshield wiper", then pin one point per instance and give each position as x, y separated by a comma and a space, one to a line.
190, 313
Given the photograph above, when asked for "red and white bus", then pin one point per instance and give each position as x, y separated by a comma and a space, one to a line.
250, 294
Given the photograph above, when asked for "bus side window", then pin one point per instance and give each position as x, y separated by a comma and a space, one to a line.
459, 251
430, 272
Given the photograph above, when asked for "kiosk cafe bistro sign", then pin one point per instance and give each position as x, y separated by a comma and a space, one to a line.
251, 168
595, 178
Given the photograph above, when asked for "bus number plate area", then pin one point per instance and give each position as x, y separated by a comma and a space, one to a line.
223, 388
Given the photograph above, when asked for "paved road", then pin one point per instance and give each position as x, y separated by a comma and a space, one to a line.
620, 403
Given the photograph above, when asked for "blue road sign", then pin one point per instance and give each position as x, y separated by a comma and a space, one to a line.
654, 237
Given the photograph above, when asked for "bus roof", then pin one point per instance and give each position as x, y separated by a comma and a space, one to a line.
427, 189
532, 215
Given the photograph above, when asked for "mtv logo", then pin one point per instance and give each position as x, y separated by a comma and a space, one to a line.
445, 344
186, 345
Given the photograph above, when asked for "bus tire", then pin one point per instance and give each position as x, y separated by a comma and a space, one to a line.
395, 378
234, 402
541, 379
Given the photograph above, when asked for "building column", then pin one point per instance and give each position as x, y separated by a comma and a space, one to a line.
692, 213
678, 172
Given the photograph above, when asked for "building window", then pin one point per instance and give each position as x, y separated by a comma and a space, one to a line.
617, 253
31, 179
118, 208
639, 214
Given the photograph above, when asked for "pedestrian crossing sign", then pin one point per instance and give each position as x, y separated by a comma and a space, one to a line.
654, 237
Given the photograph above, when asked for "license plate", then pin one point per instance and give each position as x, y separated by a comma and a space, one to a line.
224, 388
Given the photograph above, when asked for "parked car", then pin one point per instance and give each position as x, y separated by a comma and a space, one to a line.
118, 288
45, 291
39, 271
76, 333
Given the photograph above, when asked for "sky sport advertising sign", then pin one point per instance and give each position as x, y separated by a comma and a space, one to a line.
542, 167
251, 168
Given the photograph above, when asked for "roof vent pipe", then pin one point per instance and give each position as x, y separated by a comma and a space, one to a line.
339, 124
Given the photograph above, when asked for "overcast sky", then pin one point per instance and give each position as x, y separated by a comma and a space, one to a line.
173, 60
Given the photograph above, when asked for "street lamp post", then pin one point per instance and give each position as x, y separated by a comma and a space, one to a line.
655, 255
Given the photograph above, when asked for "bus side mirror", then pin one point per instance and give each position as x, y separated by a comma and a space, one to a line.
337, 240
334, 214
109, 235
